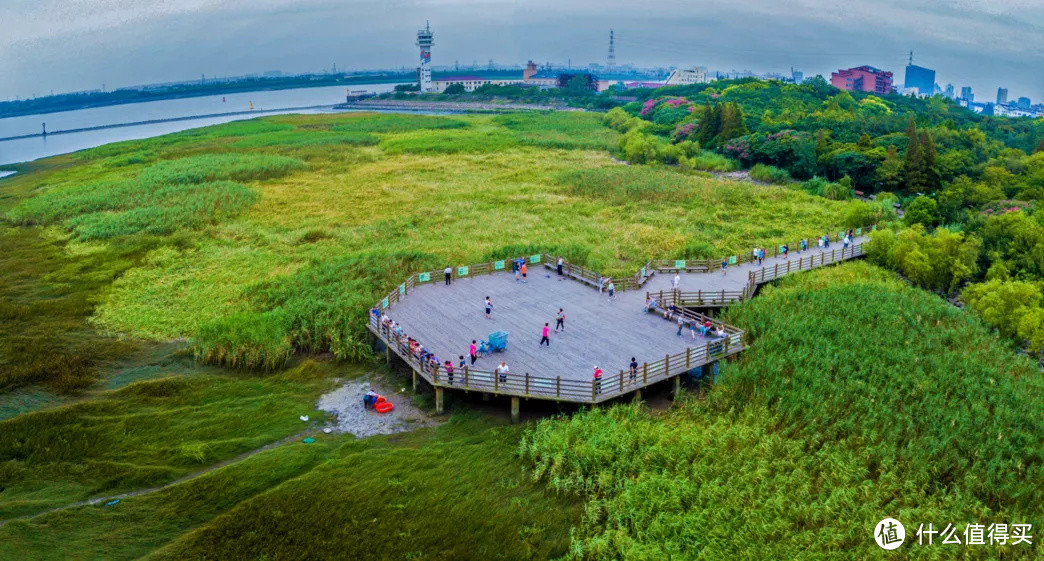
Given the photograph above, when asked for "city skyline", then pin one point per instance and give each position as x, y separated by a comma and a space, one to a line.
968, 43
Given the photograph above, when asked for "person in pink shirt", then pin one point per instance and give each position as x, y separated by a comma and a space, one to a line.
543, 335
473, 352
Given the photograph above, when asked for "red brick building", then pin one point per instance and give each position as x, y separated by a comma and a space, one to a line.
863, 79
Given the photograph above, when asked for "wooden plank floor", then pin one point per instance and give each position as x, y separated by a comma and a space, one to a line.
445, 319
597, 332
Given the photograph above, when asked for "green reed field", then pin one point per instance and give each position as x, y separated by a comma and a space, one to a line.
859, 398
259, 239
257, 246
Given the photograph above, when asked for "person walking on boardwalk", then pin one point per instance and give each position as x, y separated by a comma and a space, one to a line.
559, 321
634, 369
598, 379
681, 323
676, 282
489, 308
525, 271
612, 290
502, 371
804, 244
462, 364
847, 241
786, 251
543, 335
724, 266
560, 264
448, 273
472, 352
601, 284
692, 330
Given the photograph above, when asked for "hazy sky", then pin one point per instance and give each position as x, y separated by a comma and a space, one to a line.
66, 45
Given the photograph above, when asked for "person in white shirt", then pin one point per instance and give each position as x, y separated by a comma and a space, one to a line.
502, 371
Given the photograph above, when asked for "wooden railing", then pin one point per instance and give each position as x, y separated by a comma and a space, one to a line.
594, 278
714, 298
768, 274
566, 389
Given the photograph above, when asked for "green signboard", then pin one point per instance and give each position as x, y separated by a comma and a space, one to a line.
859, 231
643, 272
873, 228
424, 277
732, 260
498, 265
781, 249
402, 289
679, 263
384, 303
534, 259
462, 271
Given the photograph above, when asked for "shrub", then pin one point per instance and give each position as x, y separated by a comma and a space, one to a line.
941, 261
706, 160
769, 174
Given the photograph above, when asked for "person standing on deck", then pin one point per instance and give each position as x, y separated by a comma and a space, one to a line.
559, 321
676, 282
449, 372
601, 284
846, 241
449, 273
560, 265
598, 379
724, 266
463, 364
681, 323
502, 372
525, 271
612, 290
543, 335
804, 245
692, 330
473, 352
489, 308
634, 369
786, 251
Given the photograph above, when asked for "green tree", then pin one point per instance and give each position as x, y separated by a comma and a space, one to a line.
889, 174
455, 89
710, 125
929, 164
732, 124
1040, 147
922, 210
914, 165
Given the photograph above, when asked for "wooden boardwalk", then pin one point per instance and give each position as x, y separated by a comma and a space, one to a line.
598, 332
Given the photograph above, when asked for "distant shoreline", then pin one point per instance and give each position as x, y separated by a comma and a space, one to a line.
86, 103
450, 106
168, 120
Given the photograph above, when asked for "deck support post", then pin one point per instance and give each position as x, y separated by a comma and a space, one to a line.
638, 394
514, 409
677, 386
414, 381
387, 353
485, 396
439, 409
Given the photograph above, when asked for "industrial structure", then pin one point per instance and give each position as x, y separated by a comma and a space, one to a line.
425, 40
1002, 96
611, 59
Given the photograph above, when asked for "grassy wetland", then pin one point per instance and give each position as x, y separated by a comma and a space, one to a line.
171, 305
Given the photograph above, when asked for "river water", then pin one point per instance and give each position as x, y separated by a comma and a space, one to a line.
26, 149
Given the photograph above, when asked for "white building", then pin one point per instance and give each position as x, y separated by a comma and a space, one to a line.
688, 76
470, 83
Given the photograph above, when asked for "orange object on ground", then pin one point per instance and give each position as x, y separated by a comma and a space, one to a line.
383, 406
380, 399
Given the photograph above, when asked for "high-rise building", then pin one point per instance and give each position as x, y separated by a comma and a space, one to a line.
425, 40
921, 78
1002, 96
967, 95
862, 79
1023, 103
687, 76
949, 91
796, 76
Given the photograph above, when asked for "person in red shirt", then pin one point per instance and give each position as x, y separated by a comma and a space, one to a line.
543, 335
598, 379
